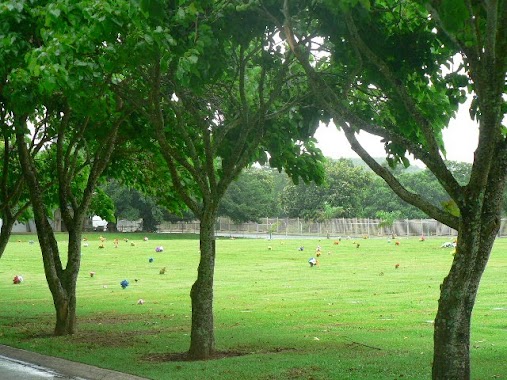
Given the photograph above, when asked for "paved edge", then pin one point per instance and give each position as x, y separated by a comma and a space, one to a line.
65, 367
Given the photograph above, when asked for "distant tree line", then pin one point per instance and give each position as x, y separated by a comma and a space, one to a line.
350, 190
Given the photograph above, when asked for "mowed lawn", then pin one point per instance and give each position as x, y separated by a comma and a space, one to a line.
362, 313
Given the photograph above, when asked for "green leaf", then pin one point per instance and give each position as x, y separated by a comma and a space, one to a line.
454, 14
55, 12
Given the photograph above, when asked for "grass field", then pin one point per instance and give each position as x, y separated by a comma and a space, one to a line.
354, 316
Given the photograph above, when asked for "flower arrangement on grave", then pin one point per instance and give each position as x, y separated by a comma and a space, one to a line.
17, 279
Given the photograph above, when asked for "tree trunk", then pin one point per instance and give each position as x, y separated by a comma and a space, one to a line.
65, 306
61, 282
451, 356
5, 234
202, 338
65, 297
112, 227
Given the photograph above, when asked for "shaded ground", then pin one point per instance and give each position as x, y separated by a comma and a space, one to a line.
182, 356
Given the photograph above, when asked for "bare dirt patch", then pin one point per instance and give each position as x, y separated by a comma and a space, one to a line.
109, 319
106, 338
303, 373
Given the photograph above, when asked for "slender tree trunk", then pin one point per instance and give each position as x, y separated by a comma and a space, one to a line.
451, 356
202, 339
61, 282
5, 234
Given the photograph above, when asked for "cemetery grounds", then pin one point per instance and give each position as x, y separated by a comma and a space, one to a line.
364, 312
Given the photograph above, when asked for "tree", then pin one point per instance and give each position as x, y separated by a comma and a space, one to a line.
380, 198
387, 219
251, 197
131, 204
73, 64
218, 100
13, 199
15, 203
122, 198
379, 195
385, 78
343, 194
303, 200
102, 206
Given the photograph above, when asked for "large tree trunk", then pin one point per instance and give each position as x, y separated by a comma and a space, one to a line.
202, 339
65, 306
451, 356
61, 282
65, 296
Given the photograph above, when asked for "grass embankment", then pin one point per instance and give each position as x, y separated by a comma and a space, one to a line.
355, 316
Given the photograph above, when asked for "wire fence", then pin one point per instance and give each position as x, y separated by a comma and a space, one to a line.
286, 227
353, 227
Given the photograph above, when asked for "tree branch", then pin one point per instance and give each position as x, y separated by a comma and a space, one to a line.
62, 158
403, 95
397, 187
171, 154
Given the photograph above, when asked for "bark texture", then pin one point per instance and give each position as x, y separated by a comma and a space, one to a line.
5, 234
65, 301
479, 225
202, 339
457, 299
61, 282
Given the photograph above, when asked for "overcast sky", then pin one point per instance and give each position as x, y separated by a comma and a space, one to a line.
460, 140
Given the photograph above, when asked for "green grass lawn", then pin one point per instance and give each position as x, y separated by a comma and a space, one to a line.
354, 316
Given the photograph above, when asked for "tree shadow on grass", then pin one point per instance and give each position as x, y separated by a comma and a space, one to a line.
183, 356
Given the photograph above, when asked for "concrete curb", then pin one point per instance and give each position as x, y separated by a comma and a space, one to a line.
74, 370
